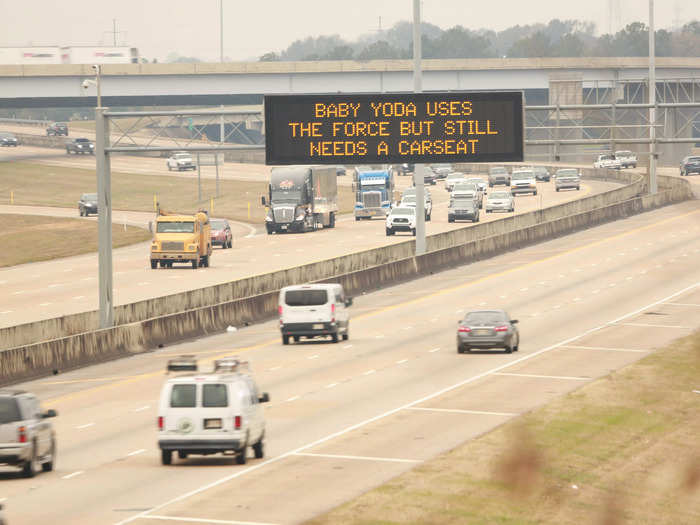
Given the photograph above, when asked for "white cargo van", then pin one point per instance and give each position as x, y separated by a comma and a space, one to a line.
312, 310
210, 413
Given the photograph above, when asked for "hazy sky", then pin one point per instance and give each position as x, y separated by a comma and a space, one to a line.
253, 27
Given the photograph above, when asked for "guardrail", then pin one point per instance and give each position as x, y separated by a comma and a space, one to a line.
146, 324
25, 121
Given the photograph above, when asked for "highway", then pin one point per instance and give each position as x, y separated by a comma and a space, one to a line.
346, 417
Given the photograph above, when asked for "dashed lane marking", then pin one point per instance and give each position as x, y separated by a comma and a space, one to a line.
538, 376
74, 474
605, 348
362, 458
86, 425
136, 452
460, 411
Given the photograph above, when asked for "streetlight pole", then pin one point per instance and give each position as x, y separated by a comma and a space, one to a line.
419, 169
653, 188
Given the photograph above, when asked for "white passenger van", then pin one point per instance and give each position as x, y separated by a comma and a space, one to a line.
208, 413
312, 310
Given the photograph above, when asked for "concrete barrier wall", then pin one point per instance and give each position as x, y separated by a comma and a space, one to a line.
76, 323
387, 265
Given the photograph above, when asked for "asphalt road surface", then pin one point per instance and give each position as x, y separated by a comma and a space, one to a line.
346, 417
50, 289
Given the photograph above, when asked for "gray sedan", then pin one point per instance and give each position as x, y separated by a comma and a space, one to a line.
487, 329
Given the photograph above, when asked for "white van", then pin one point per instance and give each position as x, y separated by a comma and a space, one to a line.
209, 413
312, 310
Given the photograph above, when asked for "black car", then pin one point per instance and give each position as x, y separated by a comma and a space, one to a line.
541, 173
340, 170
8, 139
87, 204
57, 128
429, 176
82, 146
463, 210
690, 165
487, 329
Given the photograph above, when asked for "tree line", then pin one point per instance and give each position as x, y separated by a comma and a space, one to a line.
558, 38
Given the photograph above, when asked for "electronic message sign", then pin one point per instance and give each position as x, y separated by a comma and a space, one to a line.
394, 128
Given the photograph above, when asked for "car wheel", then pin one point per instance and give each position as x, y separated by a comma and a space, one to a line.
259, 449
296, 338
169, 168
389, 232
450, 220
182, 454
578, 188
413, 232
242, 457
557, 189
154, 265
166, 457
475, 219
509, 349
346, 335
29, 468
334, 337
285, 339
47, 466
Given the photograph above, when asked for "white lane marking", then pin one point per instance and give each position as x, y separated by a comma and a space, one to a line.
402, 361
460, 411
86, 425
315, 356
595, 291
524, 289
44, 304
538, 376
646, 325
542, 283
275, 368
612, 284
577, 299
293, 398
3, 282
391, 412
55, 285
556, 306
18, 293
144, 283
379, 336
369, 372
482, 303
331, 385
434, 350
347, 346
87, 278
364, 458
78, 297
141, 409
629, 278
202, 520
643, 272
606, 348
74, 474
684, 304
6, 312
136, 452
502, 296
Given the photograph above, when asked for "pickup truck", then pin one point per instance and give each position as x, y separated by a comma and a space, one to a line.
27, 439
627, 159
82, 146
607, 160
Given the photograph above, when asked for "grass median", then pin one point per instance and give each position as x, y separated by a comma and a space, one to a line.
623, 449
42, 185
31, 238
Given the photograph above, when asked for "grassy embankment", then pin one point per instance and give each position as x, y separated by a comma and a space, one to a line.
31, 238
624, 449
42, 185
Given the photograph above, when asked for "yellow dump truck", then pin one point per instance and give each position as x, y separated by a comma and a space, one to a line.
181, 239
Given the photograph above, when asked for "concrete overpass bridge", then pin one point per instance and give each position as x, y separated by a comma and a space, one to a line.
544, 80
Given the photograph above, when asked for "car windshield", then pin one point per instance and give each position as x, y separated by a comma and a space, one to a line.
183, 396
475, 181
175, 227
499, 195
693, 159
521, 175
462, 203
408, 199
305, 297
217, 225
486, 318
90, 197
567, 173
6, 135
607, 157
498, 170
403, 211
82, 140
9, 411
466, 187
623, 153
180, 156
455, 176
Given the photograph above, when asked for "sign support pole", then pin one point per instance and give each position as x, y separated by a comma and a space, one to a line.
419, 169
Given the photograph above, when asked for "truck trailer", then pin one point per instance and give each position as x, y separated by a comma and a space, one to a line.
301, 198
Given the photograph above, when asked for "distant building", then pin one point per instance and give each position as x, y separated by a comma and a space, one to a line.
68, 55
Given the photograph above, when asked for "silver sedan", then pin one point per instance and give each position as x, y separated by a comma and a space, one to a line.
486, 329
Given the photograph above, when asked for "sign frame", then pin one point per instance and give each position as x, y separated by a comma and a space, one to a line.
279, 126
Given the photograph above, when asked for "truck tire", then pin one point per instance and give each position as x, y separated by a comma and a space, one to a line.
29, 468
285, 339
259, 449
195, 264
48, 466
389, 231
331, 220
205, 261
357, 218
154, 265
166, 457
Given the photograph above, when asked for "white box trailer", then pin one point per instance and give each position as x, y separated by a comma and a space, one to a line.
30, 55
99, 55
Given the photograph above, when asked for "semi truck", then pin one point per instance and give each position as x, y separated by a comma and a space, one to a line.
301, 198
373, 193
181, 239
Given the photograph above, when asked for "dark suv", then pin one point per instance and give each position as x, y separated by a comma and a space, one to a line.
57, 128
82, 146
87, 204
8, 139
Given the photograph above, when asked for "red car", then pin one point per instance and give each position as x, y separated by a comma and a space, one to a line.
221, 233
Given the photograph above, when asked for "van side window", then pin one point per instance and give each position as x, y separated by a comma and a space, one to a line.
183, 396
214, 396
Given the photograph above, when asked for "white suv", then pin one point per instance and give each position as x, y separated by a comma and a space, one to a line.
401, 219
523, 181
27, 439
210, 413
